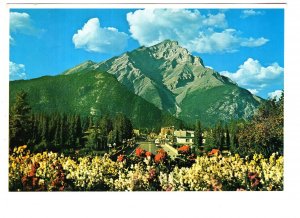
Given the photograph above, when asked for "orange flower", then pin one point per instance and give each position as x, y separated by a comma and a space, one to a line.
160, 156
214, 152
121, 158
148, 154
184, 149
139, 152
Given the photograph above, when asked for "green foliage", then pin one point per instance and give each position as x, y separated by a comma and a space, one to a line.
198, 138
90, 92
19, 120
263, 134
210, 141
212, 99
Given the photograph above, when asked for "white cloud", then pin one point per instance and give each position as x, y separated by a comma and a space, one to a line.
196, 32
251, 12
16, 71
253, 76
21, 22
93, 38
217, 20
275, 95
251, 42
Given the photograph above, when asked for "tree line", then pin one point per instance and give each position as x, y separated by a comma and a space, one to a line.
61, 132
262, 134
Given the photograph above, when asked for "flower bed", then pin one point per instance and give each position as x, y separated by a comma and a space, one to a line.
49, 171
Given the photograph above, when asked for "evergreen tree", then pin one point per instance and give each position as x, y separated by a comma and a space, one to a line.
105, 126
78, 131
210, 141
227, 137
19, 121
63, 131
198, 138
122, 127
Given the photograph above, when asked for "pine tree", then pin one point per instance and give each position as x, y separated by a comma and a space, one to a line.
227, 138
198, 136
19, 121
78, 131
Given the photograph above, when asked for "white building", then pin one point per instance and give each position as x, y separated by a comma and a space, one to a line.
184, 136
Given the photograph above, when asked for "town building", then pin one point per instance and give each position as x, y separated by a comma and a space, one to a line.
166, 131
184, 136
136, 132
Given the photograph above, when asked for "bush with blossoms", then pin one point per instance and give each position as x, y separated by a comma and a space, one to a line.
143, 171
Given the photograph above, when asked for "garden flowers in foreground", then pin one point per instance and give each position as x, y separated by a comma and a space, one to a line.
49, 171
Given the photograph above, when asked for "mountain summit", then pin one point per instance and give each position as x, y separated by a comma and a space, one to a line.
171, 78
166, 75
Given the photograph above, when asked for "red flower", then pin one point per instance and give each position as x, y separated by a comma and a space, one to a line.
184, 149
139, 152
121, 158
255, 182
252, 175
152, 174
148, 154
214, 152
160, 156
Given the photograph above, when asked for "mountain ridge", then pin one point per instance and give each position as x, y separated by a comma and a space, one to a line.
170, 78
89, 93
167, 74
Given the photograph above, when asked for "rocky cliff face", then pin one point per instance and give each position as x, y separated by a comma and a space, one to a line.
174, 80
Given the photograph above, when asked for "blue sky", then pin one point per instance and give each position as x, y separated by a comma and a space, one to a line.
246, 45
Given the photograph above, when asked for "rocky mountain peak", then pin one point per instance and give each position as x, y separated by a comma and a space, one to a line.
171, 50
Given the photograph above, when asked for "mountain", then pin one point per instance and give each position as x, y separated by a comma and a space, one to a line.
170, 77
88, 92
151, 85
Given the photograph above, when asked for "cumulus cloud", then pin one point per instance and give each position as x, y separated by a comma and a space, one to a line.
16, 71
251, 12
275, 95
194, 31
21, 22
217, 20
255, 77
94, 38
251, 42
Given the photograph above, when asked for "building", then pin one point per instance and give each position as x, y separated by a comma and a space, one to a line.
166, 131
136, 132
184, 136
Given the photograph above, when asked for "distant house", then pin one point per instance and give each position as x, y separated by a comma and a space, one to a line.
184, 136
166, 131
152, 135
136, 132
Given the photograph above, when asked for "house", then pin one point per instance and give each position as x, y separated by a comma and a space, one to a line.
166, 131
136, 132
184, 136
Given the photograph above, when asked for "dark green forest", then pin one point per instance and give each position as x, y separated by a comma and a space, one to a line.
61, 132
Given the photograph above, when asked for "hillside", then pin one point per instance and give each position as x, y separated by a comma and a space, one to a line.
148, 84
90, 92
174, 80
